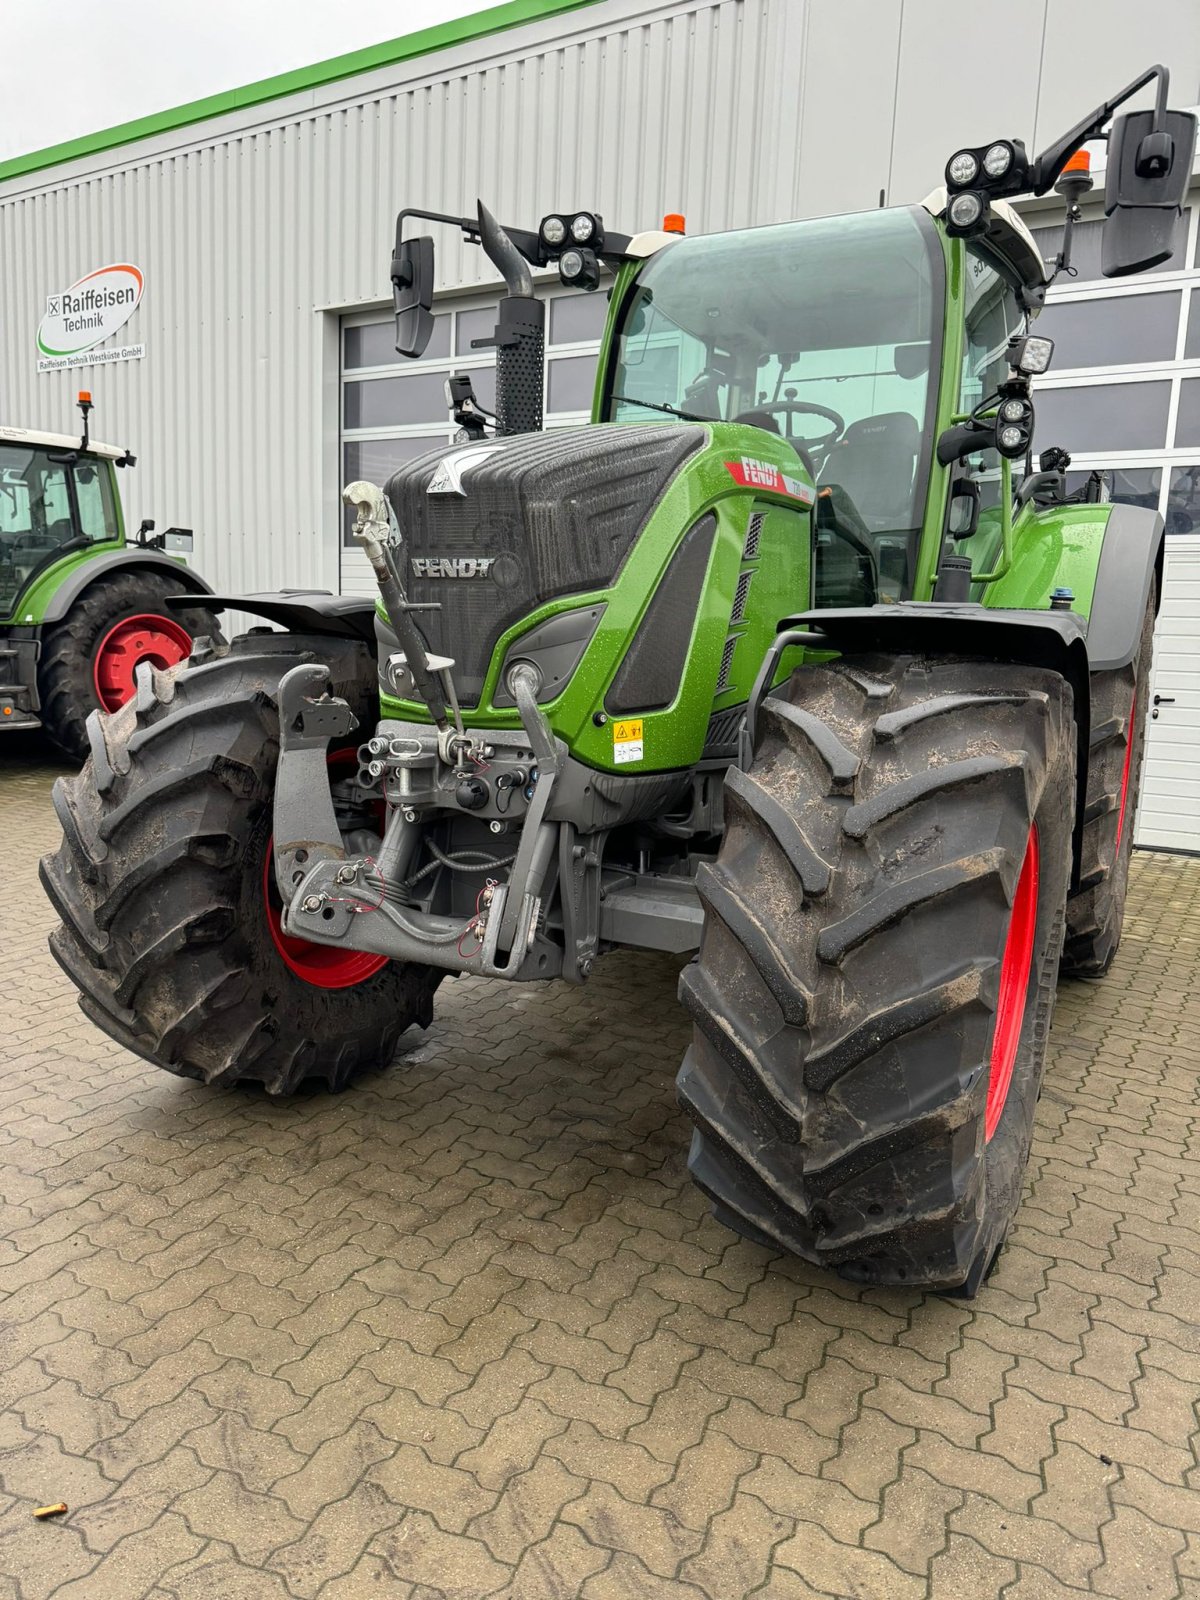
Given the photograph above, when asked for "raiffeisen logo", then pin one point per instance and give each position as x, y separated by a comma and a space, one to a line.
90, 311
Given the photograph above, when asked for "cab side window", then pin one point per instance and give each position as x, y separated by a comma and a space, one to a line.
992, 317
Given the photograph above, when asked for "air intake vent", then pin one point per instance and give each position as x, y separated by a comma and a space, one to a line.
726, 663
753, 534
739, 599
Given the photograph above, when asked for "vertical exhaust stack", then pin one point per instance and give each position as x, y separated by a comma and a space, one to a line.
520, 337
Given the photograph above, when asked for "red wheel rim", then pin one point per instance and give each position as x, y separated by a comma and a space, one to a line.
1128, 765
1014, 986
322, 965
159, 640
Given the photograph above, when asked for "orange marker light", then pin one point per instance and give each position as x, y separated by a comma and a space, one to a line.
85, 397
1081, 161
673, 223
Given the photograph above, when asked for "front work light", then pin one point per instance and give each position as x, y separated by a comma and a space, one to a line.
579, 269
1011, 438
583, 227
962, 168
1030, 354
553, 230
968, 214
998, 160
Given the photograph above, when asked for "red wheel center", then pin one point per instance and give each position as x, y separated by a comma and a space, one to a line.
325, 966
161, 641
1014, 986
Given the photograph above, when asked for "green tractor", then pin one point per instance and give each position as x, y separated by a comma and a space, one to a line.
79, 607
778, 662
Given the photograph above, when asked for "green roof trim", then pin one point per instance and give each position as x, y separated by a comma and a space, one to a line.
439, 37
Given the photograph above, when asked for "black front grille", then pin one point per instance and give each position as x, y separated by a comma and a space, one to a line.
542, 515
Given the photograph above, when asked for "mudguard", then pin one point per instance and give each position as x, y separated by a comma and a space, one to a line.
340, 616
86, 574
1130, 557
1053, 639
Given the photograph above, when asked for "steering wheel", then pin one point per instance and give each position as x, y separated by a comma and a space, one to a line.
787, 409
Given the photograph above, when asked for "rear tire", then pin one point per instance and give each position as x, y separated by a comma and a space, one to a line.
159, 882
67, 671
1096, 912
848, 991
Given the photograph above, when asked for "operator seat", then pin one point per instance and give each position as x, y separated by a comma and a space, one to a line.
874, 462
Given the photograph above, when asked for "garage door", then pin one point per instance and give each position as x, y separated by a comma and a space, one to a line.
1169, 814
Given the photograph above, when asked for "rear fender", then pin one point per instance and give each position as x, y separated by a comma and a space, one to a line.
85, 574
1131, 558
1049, 639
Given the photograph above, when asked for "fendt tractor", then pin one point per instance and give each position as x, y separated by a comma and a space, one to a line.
781, 660
80, 604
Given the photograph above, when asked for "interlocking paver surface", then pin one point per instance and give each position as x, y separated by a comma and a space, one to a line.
466, 1330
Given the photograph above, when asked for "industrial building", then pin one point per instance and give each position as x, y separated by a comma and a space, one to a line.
254, 373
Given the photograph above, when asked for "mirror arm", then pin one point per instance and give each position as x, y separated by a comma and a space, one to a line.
1049, 165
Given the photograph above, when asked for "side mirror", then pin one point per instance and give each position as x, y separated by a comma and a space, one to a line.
412, 294
963, 517
1146, 184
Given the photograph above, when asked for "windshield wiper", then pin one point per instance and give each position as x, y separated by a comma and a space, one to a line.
673, 411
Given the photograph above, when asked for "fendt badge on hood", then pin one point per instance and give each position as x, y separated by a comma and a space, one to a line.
448, 476
452, 566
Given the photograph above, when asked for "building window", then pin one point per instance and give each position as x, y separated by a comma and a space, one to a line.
394, 409
1109, 417
1123, 330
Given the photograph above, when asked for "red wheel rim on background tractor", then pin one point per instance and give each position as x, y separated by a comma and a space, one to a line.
323, 965
159, 640
1014, 986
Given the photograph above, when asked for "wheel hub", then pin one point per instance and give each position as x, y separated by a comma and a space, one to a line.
1014, 985
159, 640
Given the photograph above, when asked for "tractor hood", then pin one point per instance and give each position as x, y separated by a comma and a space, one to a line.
495, 529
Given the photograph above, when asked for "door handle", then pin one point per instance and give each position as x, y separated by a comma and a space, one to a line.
1164, 699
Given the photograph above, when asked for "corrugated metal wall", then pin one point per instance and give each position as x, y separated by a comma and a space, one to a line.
254, 228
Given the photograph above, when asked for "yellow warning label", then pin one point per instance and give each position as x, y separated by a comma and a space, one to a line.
627, 740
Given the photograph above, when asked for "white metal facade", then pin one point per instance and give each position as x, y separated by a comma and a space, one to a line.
265, 233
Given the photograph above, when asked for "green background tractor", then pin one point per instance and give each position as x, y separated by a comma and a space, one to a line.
79, 608
778, 662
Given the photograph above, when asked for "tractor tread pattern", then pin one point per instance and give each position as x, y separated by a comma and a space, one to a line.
838, 1070
157, 882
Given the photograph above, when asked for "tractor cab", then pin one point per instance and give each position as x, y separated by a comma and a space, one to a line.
55, 498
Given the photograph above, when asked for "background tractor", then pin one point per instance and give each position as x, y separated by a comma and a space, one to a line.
80, 607
776, 662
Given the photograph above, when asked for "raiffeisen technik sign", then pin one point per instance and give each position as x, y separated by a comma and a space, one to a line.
94, 308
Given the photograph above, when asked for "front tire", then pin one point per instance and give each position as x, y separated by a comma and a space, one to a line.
876, 977
161, 875
89, 659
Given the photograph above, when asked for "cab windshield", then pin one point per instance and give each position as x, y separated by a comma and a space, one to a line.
45, 505
826, 332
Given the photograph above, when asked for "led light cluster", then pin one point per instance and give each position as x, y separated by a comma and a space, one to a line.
976, 177
573, 242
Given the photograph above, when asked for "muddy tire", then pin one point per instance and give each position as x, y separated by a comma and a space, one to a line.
161, 879
877, 955
88, 659
1116, 752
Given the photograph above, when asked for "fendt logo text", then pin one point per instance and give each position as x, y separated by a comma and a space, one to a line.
452, 566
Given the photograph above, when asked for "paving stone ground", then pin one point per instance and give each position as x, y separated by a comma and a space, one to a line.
466, 1330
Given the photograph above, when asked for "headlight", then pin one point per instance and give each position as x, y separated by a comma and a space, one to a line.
554, 230
963, 168
965, 210
579, 269
583, 227
570, 264
997, 160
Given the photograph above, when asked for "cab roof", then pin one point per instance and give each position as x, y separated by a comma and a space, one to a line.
60, 441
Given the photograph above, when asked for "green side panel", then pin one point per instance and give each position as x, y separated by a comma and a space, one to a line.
394, 51
675, 736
